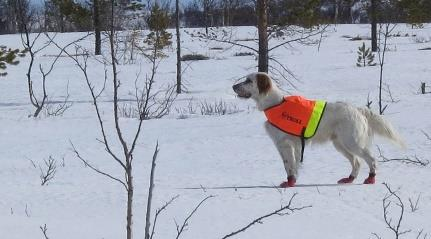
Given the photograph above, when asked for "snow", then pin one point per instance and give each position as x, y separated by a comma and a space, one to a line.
212, 150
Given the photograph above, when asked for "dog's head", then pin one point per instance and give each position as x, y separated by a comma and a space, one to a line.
255, 85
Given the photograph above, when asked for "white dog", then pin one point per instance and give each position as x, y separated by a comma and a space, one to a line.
349, 128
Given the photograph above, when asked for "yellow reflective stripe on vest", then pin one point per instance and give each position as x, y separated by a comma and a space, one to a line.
313, 123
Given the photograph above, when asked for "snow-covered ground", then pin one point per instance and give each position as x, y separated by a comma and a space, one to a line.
217, 150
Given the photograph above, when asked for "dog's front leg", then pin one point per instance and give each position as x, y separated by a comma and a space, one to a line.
287, 153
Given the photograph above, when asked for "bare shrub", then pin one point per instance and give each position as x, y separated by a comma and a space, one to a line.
393, 222
369, 102
387, 89
58, 108
358, 38
421, 39
194, 57
44, 230
422, 235
217, 108
414, 204
244, 54
48, 170
184, 112
127, 110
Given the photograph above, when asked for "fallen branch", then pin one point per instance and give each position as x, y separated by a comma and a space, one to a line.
284, 210
416, 160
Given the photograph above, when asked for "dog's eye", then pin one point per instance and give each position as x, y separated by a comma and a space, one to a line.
247, 80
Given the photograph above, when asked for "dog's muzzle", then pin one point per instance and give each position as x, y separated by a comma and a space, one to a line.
240, 91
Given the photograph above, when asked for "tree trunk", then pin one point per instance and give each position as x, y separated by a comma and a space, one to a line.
373, 26
129, 202
206, 17
96, 23
177, 28
262, 25
336, 10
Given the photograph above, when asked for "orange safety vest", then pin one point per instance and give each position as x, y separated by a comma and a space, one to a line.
297, 116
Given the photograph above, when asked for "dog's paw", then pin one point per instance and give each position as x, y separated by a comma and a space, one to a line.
371, 179
346, 180
291, 180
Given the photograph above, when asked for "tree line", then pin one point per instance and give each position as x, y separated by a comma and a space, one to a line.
70, 15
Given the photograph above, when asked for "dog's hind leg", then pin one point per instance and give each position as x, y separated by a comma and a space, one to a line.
371, 161
352, 159
364, 153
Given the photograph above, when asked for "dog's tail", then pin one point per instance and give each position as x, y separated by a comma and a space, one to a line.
382, 127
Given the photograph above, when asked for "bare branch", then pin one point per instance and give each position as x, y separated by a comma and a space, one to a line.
82, 65
387, 89
302, 38
48, 172
87, 164
44, 230
387, 202
60, 107
369, 102
426, 135
150, 193
425, 236
184, 225
414, 205
376, 236
406, 160
159, 211
284, 210
226, 37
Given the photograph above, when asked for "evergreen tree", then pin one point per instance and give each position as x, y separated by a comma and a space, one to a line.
417, 11
67, 15
8, 57
158, 22
365, 57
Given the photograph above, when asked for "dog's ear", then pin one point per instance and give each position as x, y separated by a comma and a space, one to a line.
263, 83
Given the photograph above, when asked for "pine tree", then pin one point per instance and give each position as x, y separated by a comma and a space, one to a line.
417, 12
158, 37
8, 57
365, 57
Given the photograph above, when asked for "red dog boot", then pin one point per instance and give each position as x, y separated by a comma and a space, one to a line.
346, 180
291, 180
371, 179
